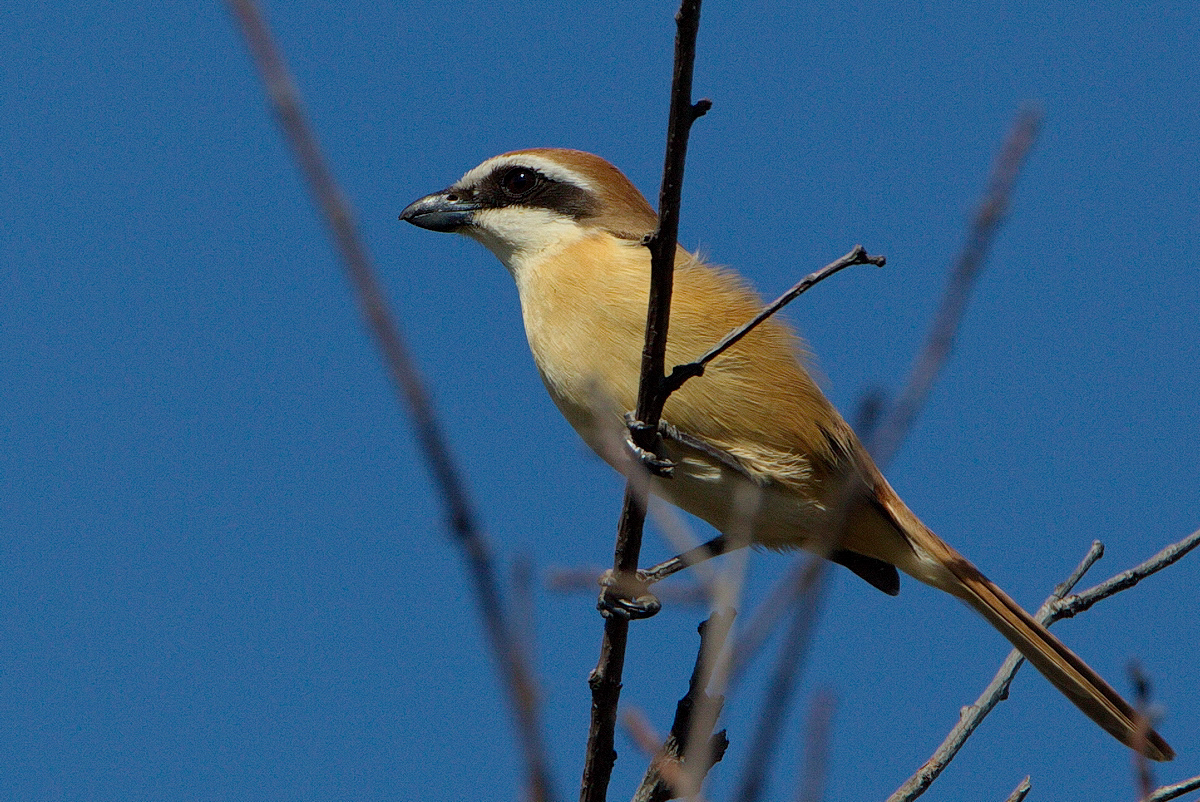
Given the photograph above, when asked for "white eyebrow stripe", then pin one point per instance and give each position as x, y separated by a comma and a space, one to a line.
547, 167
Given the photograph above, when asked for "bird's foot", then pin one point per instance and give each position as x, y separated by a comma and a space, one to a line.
626, 596
656, 465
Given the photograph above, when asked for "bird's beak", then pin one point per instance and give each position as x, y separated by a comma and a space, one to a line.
448, 210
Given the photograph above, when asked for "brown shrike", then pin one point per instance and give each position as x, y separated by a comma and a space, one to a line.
569, 227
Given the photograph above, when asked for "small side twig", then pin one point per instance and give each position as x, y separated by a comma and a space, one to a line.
1073, 605
666, 775
681, 373
510, 656
1021, 791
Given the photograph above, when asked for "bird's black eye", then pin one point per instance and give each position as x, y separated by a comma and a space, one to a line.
519, 181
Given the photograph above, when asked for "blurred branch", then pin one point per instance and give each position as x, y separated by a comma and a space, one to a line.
285, 101
967, 267
811, 587
1141, 700
667, 777
888, 432
605, 679
818, 735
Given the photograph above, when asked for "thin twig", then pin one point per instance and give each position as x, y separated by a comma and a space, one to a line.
681, 373
285, 100
1057, 607
605, 679
666, 775
1075, 604
1169, 792
1021, 791
818, 735
967, 267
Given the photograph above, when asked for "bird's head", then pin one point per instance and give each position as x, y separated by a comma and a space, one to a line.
520, 203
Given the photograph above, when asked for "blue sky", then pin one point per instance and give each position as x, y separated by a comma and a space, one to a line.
223, 571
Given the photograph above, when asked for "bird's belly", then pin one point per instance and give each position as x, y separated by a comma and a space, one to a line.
768, 515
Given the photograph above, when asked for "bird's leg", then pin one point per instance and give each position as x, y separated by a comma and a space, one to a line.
705, 551
630, 596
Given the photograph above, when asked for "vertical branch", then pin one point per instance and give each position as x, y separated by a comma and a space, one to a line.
605, 679
510, 657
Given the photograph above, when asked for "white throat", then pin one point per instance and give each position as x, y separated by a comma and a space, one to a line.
519, 234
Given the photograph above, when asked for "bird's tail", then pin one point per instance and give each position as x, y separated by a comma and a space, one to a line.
1065, 670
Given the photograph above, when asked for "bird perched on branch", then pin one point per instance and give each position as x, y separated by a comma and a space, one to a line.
569, 227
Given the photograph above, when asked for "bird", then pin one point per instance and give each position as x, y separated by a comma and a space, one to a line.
570, 228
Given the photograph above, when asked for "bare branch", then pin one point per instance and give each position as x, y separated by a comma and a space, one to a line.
1073, 605
1057, 607
681, 373
1169, 792
510, 657
996, 691
605, 679
1021, 791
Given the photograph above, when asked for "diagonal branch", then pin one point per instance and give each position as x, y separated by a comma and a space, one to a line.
1168, 792
510, 655
1056, 608
681, 373
967, 266
993, 694
605, 679
886, 435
